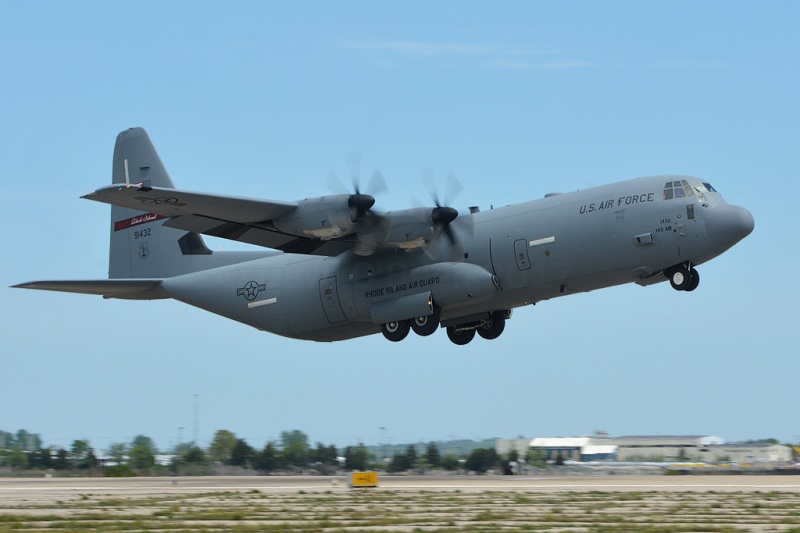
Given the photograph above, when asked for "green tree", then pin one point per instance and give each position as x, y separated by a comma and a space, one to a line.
62, 460
481, 460
117, 452
356, 457
449, 462
222, 445
242, 454
411, 454
82, 455
325, 455
266, 460
142, 454
432, 455
42, 459
27, 441
190, 460
398, 463
7, 440
536, 457
294, 448
17, 459
195, 455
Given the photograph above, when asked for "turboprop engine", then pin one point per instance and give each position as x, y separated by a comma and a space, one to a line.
326, 217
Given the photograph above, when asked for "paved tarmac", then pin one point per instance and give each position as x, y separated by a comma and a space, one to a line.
53, 489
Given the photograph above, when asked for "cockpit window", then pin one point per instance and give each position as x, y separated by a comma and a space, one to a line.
709, 187
677, 189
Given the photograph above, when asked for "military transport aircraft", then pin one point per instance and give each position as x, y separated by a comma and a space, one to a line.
337, 269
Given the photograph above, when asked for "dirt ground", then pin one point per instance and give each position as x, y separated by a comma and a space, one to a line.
409, 504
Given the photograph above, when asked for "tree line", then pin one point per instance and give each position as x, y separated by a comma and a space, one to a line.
292, 452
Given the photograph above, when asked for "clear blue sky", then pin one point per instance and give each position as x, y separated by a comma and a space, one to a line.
517, 99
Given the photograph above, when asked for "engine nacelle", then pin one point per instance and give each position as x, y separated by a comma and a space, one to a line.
326, 217
409, 229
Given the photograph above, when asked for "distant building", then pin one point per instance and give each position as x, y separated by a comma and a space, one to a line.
504, 446
575, 448
663, 447
658, 448
748, 453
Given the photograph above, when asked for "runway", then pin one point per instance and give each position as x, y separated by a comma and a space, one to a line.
44, 489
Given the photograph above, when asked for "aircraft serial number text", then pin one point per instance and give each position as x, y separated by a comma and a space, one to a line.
142, 233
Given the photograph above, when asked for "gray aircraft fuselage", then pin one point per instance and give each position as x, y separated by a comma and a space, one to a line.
514, 256
338, 269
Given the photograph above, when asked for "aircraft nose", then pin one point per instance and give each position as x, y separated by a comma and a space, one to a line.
728, 224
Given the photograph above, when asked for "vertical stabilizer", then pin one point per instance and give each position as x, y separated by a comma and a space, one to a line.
141, 247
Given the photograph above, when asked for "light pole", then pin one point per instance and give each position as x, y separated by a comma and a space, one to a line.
196, 419
383, 443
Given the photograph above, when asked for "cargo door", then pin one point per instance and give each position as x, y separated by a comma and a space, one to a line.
330, 300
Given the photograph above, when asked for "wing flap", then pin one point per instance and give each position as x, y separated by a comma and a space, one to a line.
259, 236
127, 289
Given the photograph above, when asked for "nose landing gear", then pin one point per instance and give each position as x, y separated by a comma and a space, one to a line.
683, 277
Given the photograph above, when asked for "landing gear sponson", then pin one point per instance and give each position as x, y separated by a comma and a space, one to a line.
489, 328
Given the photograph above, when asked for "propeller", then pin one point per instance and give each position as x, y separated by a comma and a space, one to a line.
359, 202
443, 216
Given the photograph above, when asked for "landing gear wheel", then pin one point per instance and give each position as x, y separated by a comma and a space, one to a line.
460, 336
493, 328
680, 278
695, 281
426, 325
396, 331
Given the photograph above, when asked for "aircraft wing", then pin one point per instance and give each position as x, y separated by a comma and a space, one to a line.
173, 203
126, 289
229, 217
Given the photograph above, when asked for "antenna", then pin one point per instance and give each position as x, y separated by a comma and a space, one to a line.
127, 177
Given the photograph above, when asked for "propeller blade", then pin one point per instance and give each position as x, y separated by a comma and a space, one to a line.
354, 164
377, 184
453, 188
335, 185
430, 183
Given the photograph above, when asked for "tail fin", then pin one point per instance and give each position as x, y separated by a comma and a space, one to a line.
141, 247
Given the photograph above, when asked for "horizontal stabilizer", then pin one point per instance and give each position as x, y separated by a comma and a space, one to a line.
126, 289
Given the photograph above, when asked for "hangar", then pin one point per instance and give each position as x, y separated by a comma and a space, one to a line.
648, 448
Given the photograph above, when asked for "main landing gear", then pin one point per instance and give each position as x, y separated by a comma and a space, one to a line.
488, 328
684, 277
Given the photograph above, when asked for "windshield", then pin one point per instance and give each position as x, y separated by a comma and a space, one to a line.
677, 189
